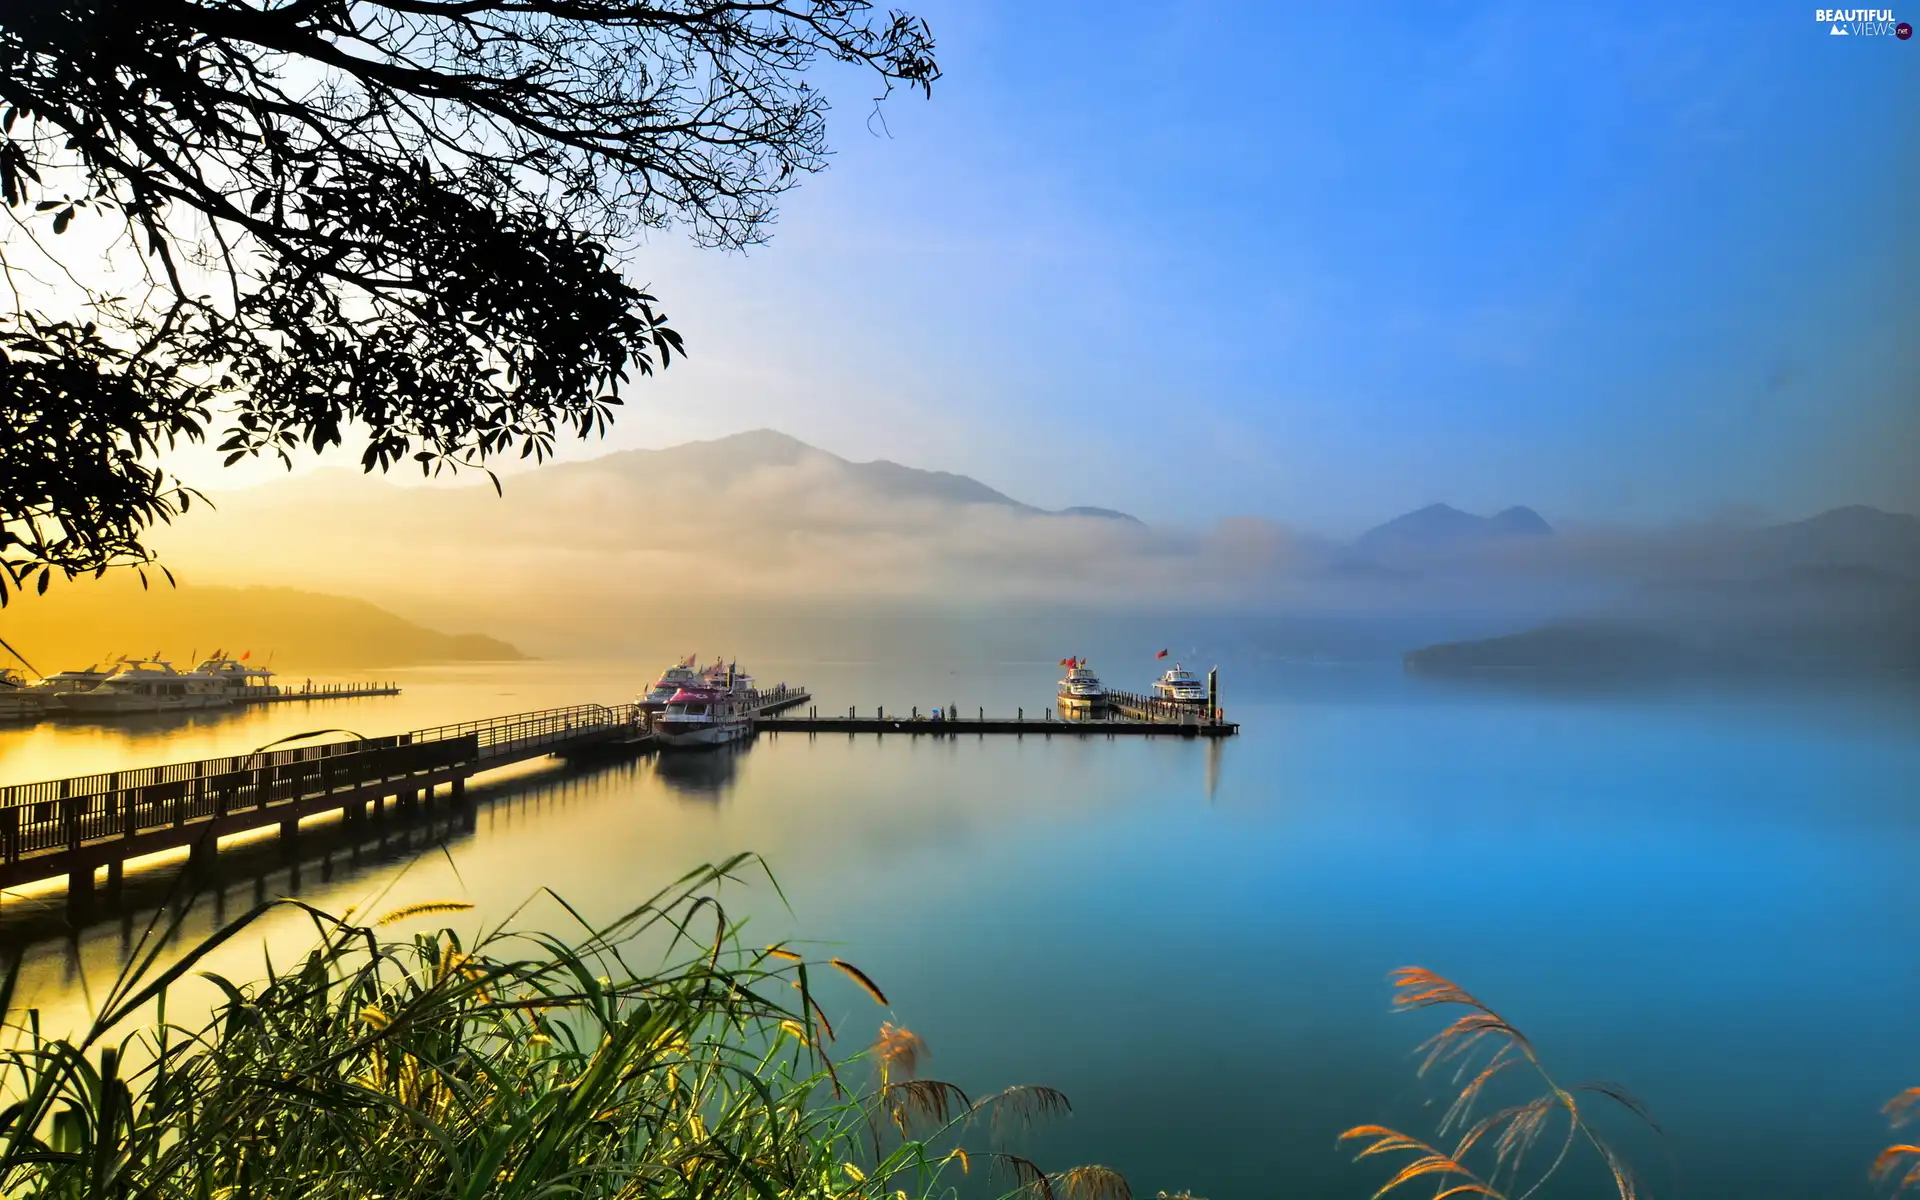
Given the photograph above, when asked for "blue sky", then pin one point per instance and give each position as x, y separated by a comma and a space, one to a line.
1328, 263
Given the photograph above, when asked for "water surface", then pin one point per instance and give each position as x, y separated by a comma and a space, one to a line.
1703, 896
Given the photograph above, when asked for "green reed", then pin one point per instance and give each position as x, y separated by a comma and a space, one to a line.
522, 1065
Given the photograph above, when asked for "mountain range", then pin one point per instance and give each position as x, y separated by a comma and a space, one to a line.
1441, 527
762, 520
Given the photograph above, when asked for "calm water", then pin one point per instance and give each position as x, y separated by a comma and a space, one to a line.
1706, 898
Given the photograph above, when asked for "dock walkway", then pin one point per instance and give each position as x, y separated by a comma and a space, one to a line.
75, 826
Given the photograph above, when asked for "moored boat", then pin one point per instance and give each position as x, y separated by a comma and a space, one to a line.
1180, 686
239, 682
144, 685
1081, 693
17, 698
46, 692
704, 713
679, 675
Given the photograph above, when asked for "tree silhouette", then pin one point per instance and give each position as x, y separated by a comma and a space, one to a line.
397, 215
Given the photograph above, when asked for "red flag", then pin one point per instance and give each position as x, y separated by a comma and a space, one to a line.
1162, 654
1073, 662
245, 655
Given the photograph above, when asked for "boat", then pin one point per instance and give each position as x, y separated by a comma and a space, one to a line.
704, 713
144, 685
17, 699
679, 675
241, 683
1180, 686
46, 692
1081, 694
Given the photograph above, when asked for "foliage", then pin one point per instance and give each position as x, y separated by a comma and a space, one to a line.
522, 1065
399, 215
1481, 1046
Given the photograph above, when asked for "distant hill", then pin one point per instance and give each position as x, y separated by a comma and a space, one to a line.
88, 620
717, 464
1440, 527
1854, 536
757, 514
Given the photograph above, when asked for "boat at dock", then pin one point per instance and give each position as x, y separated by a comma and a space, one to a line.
240, 683
704, 713
145, 685
680, 675
17, 698
1081, 692
1180, 686
47, 692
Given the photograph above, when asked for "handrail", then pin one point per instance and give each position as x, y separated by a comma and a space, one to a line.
499, 735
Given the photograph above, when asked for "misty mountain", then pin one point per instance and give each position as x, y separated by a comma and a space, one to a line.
1836, 594
1439, 528
763, 519
716, 466
1854, 536
757, 515
92, 620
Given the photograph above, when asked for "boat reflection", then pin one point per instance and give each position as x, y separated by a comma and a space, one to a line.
706, 775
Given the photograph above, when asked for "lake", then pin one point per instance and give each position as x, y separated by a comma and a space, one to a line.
1706, 897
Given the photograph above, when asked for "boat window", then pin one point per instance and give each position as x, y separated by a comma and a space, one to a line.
695, 710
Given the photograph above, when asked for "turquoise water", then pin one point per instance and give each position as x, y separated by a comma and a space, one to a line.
1705, 897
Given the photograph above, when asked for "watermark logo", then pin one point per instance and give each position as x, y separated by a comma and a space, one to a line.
1862, 22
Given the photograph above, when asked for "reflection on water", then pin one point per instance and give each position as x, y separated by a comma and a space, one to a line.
704, 774
1190, 937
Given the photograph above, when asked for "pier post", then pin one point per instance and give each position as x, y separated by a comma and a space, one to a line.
200, 855
80, 893
1019, 714
459, 790
116, 874
289, 831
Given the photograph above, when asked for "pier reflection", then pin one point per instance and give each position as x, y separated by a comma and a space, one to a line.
249, 873
701, 774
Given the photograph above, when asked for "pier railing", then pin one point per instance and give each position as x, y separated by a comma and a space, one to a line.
64, 813
1160, 711
501, 736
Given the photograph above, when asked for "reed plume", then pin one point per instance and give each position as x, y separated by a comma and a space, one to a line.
1900, 1160
1481, 1046
422, 909
898, 1052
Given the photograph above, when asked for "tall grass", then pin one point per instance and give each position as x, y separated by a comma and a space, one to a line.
522, 1065
1514, 1150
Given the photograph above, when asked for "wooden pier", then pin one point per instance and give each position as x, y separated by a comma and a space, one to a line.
1174, 722
322, 691
74, 827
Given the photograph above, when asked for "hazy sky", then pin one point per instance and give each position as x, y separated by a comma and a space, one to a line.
1326, 263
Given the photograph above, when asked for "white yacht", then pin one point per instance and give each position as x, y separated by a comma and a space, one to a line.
143, 685
704, 713
46, 692
239, 682
1180, 686
1081, 694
